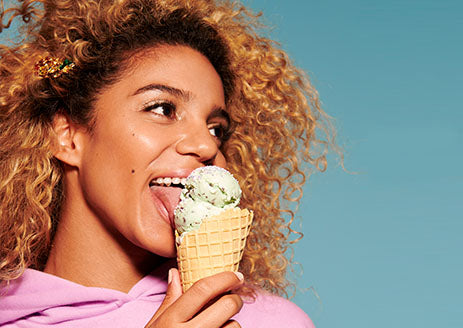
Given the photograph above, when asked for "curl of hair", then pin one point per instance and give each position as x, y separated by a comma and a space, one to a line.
279, 126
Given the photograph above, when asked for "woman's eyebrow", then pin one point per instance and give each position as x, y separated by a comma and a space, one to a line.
185, 95
220, 112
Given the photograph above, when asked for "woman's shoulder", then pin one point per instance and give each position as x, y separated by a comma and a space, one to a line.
268, 310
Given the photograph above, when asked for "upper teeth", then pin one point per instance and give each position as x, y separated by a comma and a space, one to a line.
169, 181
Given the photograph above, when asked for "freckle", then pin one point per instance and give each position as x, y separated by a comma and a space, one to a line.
133, 134
133, 171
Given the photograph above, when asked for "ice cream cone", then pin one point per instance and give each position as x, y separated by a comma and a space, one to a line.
215, 247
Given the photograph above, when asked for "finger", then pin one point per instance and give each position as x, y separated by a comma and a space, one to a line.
175, 287
231, 324
174, 291
202, 292
219, 313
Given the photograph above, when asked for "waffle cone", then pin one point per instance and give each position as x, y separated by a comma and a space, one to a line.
215, 247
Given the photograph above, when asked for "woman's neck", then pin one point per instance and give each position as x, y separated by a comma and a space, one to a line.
86, 252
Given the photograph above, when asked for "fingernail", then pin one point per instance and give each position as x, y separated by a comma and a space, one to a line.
169, 277
239, 275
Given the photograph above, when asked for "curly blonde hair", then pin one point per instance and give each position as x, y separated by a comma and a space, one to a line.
279, 126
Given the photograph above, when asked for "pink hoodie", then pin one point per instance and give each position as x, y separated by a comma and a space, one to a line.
38, 299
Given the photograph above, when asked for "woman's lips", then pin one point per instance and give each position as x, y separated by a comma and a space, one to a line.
166, 200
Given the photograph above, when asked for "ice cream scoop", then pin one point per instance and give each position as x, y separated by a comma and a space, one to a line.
208, 191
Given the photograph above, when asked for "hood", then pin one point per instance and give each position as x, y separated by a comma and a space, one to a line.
46, 299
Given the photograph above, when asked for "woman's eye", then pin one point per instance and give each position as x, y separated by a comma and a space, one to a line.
164, 109
219, 132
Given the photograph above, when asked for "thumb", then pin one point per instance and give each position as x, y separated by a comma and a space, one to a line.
174, 291
174, 288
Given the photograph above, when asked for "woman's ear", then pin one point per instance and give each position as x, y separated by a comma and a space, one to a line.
69, 139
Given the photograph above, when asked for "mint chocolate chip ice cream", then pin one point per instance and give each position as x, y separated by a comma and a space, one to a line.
208, 191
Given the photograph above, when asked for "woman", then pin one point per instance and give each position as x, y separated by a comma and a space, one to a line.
101, 104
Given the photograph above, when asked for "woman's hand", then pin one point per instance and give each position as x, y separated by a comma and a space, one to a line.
204, 305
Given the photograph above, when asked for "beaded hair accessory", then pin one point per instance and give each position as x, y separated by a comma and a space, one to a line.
52, 67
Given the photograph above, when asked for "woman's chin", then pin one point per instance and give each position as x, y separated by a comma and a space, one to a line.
159, 241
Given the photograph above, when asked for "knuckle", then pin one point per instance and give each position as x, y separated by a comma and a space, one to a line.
214, 284
232, 303
232, 324
160, 322
165, 323
167, 300
203, 287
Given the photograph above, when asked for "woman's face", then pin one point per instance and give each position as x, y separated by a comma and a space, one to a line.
161, 120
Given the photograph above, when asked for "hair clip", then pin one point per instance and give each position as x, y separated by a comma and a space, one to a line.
52, 67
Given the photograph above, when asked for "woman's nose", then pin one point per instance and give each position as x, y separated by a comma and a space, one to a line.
198, 142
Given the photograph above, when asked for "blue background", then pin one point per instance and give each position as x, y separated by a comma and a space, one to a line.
383, 246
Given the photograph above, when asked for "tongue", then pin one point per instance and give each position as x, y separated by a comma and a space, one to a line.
170, 196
